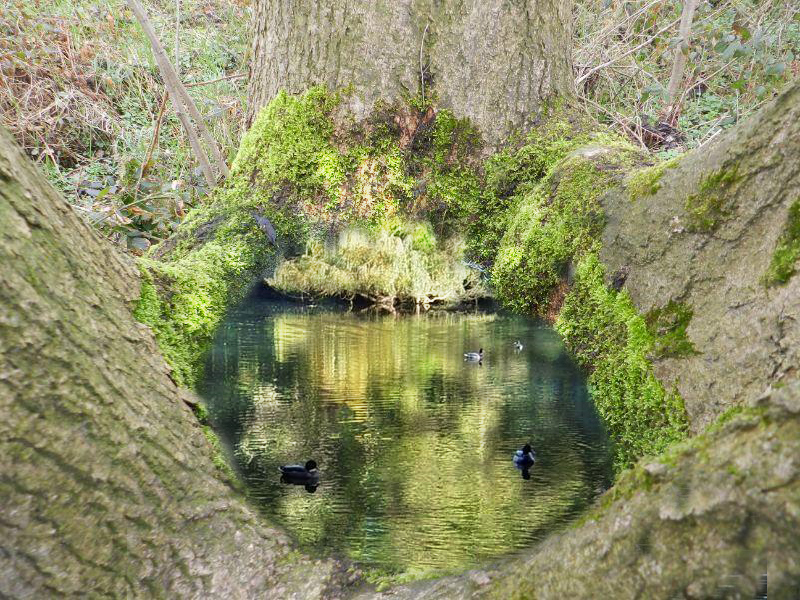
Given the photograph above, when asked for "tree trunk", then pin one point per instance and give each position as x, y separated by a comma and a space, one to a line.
494, 61
107, 486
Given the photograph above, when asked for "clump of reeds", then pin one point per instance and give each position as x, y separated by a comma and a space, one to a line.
383, 267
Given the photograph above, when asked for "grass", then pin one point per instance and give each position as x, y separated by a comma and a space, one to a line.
81, 94
404, 266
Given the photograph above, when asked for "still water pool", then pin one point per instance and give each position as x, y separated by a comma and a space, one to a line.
414, 445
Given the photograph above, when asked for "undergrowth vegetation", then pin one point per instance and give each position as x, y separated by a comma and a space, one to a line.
742, 52
81, 93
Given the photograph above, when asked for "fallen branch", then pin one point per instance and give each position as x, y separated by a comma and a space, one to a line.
181, 98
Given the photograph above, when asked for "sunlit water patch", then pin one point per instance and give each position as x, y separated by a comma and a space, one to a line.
414, 445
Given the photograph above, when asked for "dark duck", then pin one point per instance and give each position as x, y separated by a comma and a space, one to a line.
305, 475
524, 459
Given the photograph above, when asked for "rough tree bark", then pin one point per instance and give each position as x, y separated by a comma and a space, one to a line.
493, 61
106, 480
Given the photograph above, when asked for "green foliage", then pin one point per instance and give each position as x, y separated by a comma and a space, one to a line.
556, 222
709, 206
667, 325
646, 182
608, 336
787, 251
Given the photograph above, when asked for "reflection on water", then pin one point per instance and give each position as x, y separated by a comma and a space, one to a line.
414, 444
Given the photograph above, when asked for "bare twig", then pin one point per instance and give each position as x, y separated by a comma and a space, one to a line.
628, 53
199, 83
146, 163
619, 121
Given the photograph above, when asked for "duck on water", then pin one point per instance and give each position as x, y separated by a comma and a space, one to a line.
524, 460
474, 356
305, 475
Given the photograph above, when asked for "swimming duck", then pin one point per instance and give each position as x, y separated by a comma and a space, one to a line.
517, 345
474, 356
300, 474
525, 457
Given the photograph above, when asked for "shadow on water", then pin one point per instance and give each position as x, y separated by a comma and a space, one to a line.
414, 444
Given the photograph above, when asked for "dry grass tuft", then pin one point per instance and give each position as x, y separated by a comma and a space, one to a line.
80, 91
385, 268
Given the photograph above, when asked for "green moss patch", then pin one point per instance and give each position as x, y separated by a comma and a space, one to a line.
667, 325
556, 221
183, 300
787, 251
609, 337
709, 206
646, 182
512, 173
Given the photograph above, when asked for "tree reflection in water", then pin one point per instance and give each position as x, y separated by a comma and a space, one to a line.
413, 443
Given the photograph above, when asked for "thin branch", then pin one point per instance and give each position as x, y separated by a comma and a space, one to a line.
628, 53
174, 86
199, 83
146, 163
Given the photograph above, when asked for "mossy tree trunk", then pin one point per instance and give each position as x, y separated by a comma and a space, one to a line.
107, 487
493, 61
716, 236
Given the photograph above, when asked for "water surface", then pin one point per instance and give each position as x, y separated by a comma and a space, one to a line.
414, 444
